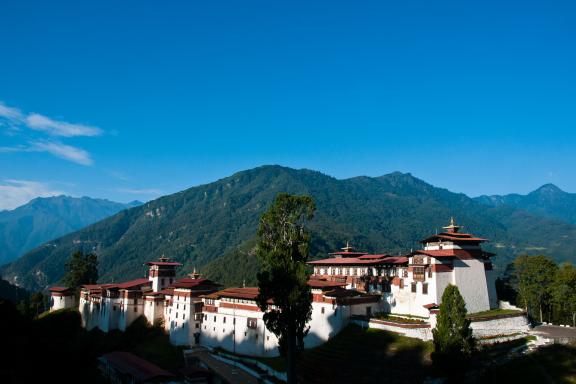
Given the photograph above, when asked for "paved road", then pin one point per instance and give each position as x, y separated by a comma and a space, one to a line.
555, 332
230, 373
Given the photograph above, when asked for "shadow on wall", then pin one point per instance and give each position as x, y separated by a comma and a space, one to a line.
332, 325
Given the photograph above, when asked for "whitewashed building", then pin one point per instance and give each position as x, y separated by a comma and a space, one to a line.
160, 298
233, 321
61, 298
193, 310
414, 284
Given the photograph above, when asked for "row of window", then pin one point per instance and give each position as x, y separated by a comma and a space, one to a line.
250, 321
424, 288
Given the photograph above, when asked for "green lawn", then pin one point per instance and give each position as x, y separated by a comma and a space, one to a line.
398, 319
360, 355
551, 364
493, 312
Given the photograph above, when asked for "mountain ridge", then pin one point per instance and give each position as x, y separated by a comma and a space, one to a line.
205, 224
548, 200
46, 218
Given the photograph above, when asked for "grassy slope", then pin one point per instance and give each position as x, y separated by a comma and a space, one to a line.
360, 355
551, 364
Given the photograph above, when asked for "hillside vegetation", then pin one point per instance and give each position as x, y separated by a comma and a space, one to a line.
212, 227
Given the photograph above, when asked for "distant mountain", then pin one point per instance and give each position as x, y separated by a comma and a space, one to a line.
47, 218
212, 227
548, 201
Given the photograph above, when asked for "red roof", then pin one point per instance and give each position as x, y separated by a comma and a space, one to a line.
165, 263
91, 286
364, 257
346, 254
134, 283
142, 370
190, 283
59, 289
249, 293
431, 305
320, 283
359, 261
453, 236
453, 253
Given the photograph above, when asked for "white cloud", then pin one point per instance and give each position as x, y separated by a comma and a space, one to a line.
45, 124
14, 193
10, 113
37, 129
67, 152
59, 128
63, 151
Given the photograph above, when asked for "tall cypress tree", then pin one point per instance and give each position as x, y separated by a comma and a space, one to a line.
453, 341
283, 249
81, 269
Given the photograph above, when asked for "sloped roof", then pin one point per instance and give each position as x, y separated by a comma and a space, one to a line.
142, 370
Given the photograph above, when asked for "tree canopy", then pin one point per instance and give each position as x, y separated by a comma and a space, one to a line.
81, 269
283, 249
535, 276
453, 341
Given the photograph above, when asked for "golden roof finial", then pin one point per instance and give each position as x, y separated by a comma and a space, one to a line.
347, 248
452, 227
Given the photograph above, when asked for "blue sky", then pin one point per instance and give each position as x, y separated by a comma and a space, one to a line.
135, 99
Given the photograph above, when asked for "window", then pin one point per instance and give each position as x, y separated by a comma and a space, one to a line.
176, 314
135, 301
252, 323
162, 282
418, 260
184, 306
405, 273
224, 319
214, 318
425, 288
198, 326
413, 287
430, 271
114, 308
177, 306
322, 310
206, 317
183, 316
418, 273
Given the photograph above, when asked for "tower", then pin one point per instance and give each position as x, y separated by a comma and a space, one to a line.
162, 273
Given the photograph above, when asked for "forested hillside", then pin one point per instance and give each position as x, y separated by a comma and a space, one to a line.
212, 227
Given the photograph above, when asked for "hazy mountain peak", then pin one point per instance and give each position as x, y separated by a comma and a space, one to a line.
46, 218
548, 189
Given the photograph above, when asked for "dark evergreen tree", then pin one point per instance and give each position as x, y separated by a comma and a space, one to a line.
453, 341
283, 250
535, 276
81, 269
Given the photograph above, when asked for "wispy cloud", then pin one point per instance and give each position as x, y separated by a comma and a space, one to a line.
56, 148
14, 193
23, 125
10, 113
45, 124
60, 128
67, 152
